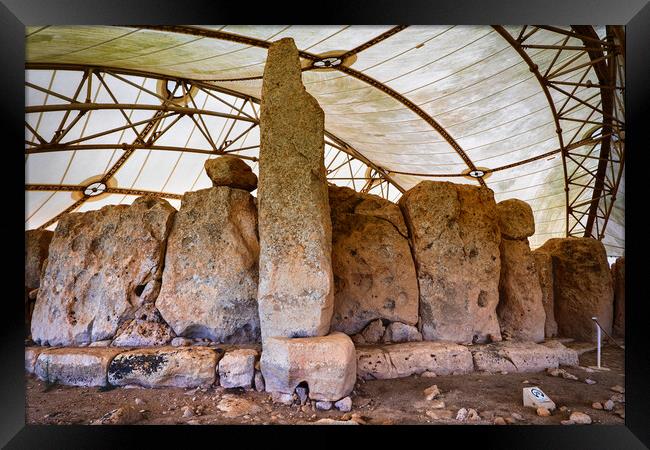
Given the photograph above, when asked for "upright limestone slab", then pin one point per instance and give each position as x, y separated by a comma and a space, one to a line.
209, 285
582, 286
544, 266
374, 273
520, 310
455, 237
618, 277
295, 292
102, 267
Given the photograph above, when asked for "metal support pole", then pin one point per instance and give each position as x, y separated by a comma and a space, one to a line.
595, 319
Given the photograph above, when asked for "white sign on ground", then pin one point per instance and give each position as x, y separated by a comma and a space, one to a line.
534, 397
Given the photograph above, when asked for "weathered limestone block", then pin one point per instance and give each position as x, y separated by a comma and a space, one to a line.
515, 357
403, 360
520, 309
146, 329
565, 356
374, 273
232, 172
102, 266
296, 286
618, 278
327, 364
31, 355
516, 219
164, 366
75, 366
209, 285
374, 332
237, 368
582, 286
455, 234
544, 266
37, 244
397, 332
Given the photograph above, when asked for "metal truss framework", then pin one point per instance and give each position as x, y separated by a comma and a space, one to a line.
175, 105
590, 191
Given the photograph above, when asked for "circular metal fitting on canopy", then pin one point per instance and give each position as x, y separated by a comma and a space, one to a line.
95, 189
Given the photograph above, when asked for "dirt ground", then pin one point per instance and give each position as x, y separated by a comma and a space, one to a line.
399, 401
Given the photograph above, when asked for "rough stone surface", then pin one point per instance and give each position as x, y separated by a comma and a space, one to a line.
403, 360
232, 172
582, 286
102, 266
455, 234
37, 244
31, 355
516, 219
618, 278
327, 364
544, 267
374, 272
259, 381
398, 332
565, 356
164, 366
514, 357
237, 368
146, 329
520, 310
209, 286
344, 405
373, 332
296, 285
580, 418
75, 366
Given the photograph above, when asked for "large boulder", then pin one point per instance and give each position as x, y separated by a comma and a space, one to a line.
37, 245
296, 286
618, 277
75, 366
232, 172
103, 265
374, 273
164, 367
544, 267
327, 364
582, 286
455, 234
520, 310
516, 219
411, 358
237, 368
209, 285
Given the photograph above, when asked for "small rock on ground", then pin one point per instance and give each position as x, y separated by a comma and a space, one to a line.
580, 418
344, 405
543, 412
597, 405
432, 392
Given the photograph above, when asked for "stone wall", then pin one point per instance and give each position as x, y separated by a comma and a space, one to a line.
582, 286
455, 237
520, 310
618, 278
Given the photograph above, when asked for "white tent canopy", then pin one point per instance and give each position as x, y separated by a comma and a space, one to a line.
467, 104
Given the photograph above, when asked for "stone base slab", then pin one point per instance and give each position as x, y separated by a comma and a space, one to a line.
198, 365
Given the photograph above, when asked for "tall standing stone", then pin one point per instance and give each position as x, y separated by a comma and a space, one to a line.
455, 236
544, 266
209, 287
295, 292
103, 266
37, 244
618, 277
520, 310
582, 286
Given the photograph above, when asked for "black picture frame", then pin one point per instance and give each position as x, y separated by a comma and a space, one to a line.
635, 14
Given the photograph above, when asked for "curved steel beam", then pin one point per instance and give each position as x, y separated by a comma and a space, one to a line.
558, 129
193, 31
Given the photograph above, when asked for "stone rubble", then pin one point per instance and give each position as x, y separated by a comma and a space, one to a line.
580, 418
